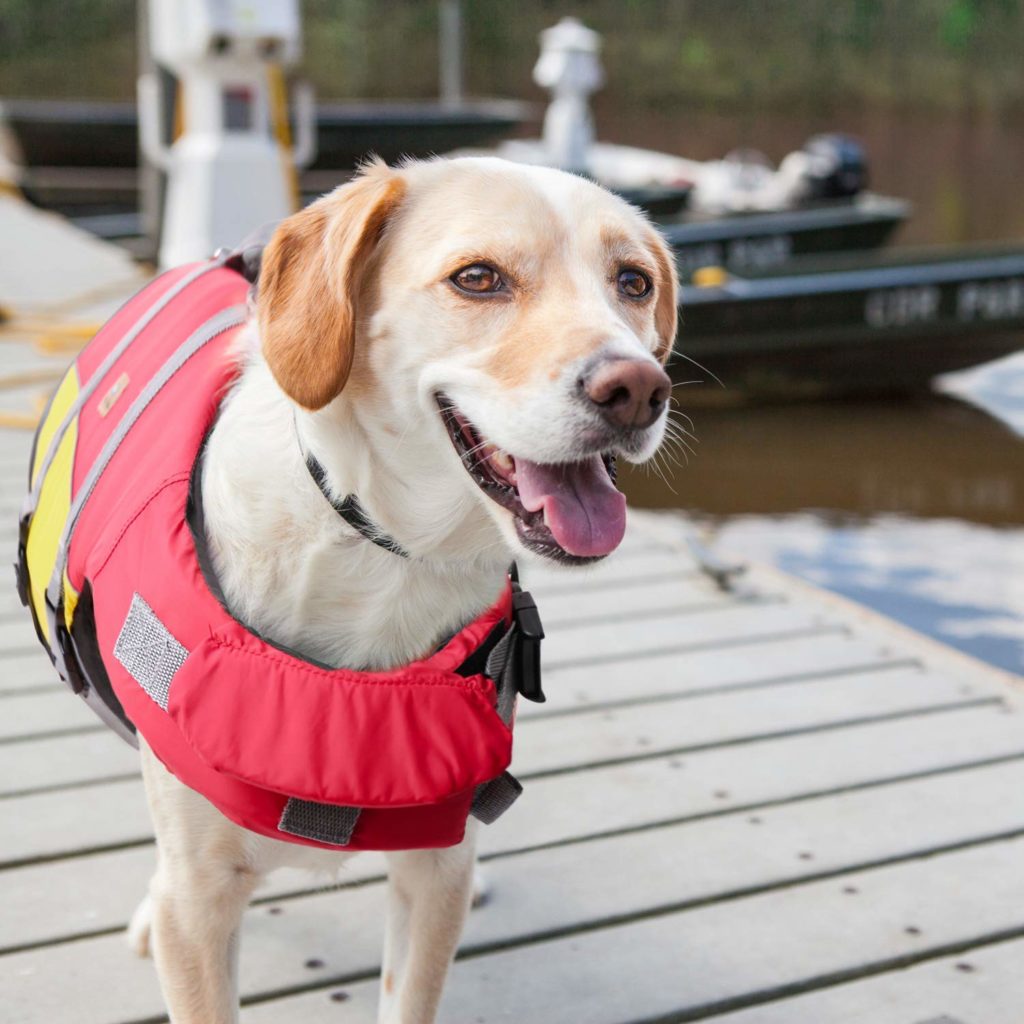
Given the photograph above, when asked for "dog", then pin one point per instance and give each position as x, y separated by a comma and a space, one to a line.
464, 344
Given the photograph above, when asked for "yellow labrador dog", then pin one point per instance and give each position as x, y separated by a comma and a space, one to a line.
464, 344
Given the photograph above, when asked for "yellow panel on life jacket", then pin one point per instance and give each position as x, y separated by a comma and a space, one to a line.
54, 505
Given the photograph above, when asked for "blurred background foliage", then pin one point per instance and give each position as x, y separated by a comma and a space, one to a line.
810, 56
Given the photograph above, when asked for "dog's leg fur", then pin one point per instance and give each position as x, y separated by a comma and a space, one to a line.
429, 894
203, 883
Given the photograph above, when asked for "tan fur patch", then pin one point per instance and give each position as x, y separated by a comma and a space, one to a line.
310, 283
666, 309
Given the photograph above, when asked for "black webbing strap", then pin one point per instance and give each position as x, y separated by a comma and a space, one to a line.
352, 512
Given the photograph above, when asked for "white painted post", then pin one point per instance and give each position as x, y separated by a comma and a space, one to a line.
227, 173
569, 66
450, 51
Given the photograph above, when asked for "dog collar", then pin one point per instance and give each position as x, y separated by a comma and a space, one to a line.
349, 508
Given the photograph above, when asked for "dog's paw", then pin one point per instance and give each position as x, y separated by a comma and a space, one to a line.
139, 928
481, 888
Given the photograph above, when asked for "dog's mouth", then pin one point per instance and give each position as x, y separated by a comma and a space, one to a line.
571, 512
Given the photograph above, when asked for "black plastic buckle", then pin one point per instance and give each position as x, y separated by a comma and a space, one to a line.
72, 673
529, 632
21, 566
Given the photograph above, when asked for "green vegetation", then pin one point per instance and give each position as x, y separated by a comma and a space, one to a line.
793, 55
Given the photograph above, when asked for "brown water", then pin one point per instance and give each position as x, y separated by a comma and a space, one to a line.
928, 458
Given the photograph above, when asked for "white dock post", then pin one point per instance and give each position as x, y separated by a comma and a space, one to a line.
231, 167
570, 67
450, 52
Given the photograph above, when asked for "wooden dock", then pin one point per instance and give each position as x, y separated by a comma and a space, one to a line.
757, 807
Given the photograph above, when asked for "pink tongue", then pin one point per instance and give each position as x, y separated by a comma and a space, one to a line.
582, 508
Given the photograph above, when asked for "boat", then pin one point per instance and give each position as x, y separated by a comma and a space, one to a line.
752, 242
883, 323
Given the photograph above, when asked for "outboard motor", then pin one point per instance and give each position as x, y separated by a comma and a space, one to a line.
837, 167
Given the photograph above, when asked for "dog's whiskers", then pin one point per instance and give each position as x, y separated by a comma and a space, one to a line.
700, 366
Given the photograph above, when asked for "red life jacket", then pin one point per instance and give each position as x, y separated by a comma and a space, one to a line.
112, 565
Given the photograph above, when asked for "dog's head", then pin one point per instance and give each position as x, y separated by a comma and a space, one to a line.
504, 326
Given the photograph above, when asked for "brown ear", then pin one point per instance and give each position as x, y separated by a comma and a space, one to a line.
310, 279
666, 311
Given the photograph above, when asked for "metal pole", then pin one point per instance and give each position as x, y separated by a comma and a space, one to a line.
450, 51
150, 179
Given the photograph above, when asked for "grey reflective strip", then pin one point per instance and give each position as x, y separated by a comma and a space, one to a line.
494, 798
500, 665
216, 325
100, 373
326, 823
148, 651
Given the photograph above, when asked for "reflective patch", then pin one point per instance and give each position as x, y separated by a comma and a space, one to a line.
150, 655
326, 823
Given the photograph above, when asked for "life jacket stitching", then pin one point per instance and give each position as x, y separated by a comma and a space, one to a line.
160, 488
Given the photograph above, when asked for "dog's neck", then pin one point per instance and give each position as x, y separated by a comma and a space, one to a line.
292, 569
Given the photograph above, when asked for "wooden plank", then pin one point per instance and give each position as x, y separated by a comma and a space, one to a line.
55, 824
622, 566
87, 757
36, 714
602, 736
10, 604
44, 902
44, 714
680, 633
93, 756
572, 610
49, 903
748, 665
981, 986
17, 632
562, 610
598, 737
569, 889
693, 962
32, 670
46, 763
553, 810
870, 623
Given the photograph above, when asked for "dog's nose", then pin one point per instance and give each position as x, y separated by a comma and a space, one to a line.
628, 392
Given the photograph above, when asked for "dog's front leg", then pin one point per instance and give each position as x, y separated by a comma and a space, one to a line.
428, 896
202, 884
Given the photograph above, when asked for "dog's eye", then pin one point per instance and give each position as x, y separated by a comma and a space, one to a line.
634, 284
478, 278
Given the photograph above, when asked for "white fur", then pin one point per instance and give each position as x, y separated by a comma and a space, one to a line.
294, 571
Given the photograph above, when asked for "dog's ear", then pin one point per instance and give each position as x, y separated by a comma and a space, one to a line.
310, 280
666, 294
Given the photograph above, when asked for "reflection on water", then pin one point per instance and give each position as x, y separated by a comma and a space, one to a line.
913, 508
996, 387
